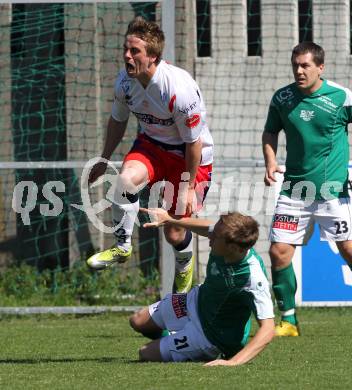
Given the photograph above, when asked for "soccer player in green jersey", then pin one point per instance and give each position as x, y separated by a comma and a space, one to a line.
214, 318
314, 114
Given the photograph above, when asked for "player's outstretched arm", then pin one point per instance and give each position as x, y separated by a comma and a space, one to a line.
161, 217
262, 338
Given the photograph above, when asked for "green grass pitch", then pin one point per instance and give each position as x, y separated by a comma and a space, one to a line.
100, 352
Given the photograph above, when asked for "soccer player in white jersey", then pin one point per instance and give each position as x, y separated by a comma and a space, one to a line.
174, 144
213, 319
314, 113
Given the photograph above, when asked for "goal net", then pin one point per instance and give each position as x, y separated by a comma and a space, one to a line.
58, 63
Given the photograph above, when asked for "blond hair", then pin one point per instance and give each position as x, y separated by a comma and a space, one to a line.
149, 32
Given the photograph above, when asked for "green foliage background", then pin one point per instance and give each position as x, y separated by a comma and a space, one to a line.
26, 286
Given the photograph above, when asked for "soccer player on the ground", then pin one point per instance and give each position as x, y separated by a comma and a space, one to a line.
213, 318
314, 113
174, 144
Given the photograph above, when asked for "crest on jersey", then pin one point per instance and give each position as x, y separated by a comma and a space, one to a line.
306, 115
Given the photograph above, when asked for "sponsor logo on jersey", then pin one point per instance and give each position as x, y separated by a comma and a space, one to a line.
328, 102
307, 115
285, 222
171, 103
152, 120
192, 121
186, 110
179, 304
285, 94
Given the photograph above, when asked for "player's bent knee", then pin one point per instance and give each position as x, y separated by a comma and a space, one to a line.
137, 321
173, 240
174, 236
143, 354
347, 255
133, 323
281, 255
150, 352
126, 184
345, 249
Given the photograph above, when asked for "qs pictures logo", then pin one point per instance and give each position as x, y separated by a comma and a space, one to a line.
25, 196
93, 210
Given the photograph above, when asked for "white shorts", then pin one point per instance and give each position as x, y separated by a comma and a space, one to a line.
293, 220
187, 342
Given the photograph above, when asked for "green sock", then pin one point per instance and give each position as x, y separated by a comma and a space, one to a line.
291, 319
284, 287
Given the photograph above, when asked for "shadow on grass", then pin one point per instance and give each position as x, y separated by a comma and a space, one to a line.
68, 360
103, 336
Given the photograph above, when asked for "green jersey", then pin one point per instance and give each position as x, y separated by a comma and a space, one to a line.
228, 296
316, 138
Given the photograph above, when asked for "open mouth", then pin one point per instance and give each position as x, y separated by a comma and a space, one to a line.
129, 67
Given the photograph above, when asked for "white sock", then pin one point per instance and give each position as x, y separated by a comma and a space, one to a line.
183, 256
124, 214
286, 313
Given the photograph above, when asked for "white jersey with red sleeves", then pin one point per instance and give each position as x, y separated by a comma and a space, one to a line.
170, 109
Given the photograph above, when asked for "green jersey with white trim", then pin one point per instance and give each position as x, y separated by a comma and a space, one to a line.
316, 139
228, 296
